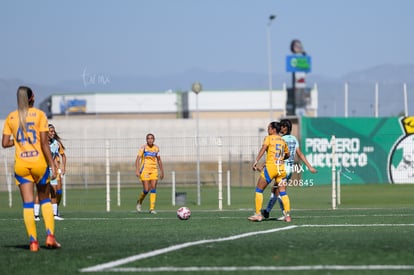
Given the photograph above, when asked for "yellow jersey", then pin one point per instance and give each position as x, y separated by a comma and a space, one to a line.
276, 149
149, 157
275, 154
28, 149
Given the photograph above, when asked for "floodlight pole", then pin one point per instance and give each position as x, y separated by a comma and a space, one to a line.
269, 64
346, 99
196, 88
376, 100
405, 99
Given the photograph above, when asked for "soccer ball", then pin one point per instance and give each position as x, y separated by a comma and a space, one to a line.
183, 213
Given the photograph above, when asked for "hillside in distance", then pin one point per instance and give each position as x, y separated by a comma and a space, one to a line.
390, 79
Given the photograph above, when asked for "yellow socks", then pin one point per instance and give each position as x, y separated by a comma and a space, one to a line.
259, 201
153, 198
142, 197
47, 213
29, 222
286, 202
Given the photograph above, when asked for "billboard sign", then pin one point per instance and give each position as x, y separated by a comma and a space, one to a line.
298, 63
368, 150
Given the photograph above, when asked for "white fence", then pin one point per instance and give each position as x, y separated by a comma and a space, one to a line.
90, 144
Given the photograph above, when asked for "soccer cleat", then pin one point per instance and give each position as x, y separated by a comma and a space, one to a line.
51, 242
255, 218
34, 246
58, 218
281, 218
265, 214
139, 207
288, 218
37, 218
153, 211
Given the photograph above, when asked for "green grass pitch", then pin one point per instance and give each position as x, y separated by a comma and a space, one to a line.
371, 232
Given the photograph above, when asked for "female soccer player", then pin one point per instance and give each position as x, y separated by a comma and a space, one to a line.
279, 192
26, 129
58, 153
59, 156
146, 169
276, 151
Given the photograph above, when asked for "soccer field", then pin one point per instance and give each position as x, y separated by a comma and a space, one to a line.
372, 232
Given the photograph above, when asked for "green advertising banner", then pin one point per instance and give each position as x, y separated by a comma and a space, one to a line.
368, 150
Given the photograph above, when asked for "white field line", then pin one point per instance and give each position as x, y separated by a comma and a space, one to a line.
112, 266
138, 257
262, 268
357, 225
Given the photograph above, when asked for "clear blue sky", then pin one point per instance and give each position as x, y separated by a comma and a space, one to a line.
45, 42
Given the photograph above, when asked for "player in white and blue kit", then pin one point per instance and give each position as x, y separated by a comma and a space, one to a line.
294, 150
59, 158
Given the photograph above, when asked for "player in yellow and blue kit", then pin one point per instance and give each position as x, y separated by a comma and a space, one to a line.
146, 168
279, 192
276, 152
26, 129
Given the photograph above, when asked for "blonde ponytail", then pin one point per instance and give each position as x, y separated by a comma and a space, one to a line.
22, 106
